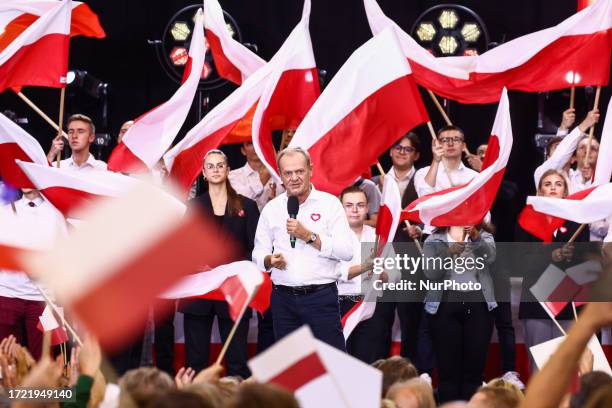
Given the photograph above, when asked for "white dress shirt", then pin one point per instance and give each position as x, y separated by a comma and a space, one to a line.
17, 284
459, 176
353, 286
404, 181
320, 213
90, 165
246, 182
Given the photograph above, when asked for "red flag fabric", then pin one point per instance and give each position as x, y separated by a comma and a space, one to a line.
152, 133
469, 203
366, 107
111, 290
582, 4
390, 212
289, 92
233, 61
48, 323
17, 144
46, 39
555, 58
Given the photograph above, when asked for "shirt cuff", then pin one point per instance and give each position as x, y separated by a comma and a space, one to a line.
326, 246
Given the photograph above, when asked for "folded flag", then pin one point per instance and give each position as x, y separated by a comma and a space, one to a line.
48, 323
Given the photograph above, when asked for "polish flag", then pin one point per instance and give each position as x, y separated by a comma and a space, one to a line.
233, 283
48, 323
468, 204
361, 311
17, 144
289, 91
562, 154
603, 169
69, 190
83, 21
109, 276
152, 133
550, 59
582, 4
366, 107
543, 225
317, 374
231, 120
233, 61
593, 204
38, 56
554, 290
390, 213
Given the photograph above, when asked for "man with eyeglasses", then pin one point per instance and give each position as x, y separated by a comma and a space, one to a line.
81, 134
303, 270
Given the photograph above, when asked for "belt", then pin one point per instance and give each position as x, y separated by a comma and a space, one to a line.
304, 290
352, 298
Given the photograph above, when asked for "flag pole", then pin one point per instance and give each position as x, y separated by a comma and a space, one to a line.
434, 98
416, 241
40, 112
572, 96
592, 129
235, 327
432, 132
59, 122
575, 235
574, 310
56, 311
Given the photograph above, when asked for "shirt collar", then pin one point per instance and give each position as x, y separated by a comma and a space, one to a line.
408, 175
314, 194
89, 162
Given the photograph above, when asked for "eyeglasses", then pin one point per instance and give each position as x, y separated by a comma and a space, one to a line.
218, 166
448, 139
404, 149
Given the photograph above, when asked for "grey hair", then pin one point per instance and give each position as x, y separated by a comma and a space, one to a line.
293, 150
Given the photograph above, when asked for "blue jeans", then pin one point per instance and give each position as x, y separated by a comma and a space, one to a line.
319, 310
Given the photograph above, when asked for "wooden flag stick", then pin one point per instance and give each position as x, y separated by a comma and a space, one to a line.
434, 98
235, 327
59, 122
578, 231
572, 96
40, 112
56, 311
416, 241
559, 326
574, 310
592, 129
435, 138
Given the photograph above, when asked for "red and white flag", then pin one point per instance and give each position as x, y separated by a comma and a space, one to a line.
366, 107
594, 204
17, 144
603, 169
233, 61
390, 213
152, 133
561, 156
582, 4
318, 374
554, 290
69, 190
110, 269
38, 55
555, 58
289, 92
233, 282
362, 310
231, 120
468, 204
48, 323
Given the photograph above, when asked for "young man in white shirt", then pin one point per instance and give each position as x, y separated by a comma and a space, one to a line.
21, 304
81, 134
304, 272
253, 179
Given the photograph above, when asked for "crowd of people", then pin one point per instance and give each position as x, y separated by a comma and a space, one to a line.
311, 243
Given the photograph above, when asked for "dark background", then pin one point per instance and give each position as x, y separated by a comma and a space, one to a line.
137, 82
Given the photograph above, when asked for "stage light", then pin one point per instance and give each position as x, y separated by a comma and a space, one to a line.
470, 32
426, 31
179, 56
448, 19
172, 49
448, 45
451, 30
180, 31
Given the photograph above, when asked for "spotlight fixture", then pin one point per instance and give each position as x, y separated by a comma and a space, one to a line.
173, 48
451, 30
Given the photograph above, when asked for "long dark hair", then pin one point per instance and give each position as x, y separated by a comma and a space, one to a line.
234, 200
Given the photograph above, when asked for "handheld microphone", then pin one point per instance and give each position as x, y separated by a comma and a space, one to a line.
293, 207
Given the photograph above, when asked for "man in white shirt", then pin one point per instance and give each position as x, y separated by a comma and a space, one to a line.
253, 179
304, 276
403, 154
21, 304
81, 134
446, 169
